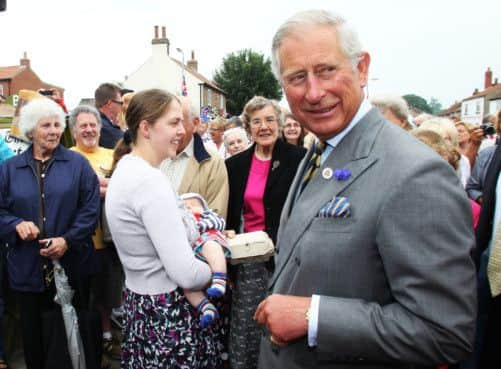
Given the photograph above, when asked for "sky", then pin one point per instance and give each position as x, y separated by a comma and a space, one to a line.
438, 48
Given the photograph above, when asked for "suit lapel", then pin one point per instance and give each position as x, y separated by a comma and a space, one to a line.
352, 153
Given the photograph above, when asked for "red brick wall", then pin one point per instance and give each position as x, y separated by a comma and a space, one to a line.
27, 79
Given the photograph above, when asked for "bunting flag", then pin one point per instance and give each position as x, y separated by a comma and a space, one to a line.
184, 89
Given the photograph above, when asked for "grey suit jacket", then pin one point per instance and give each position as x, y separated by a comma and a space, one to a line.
396, 278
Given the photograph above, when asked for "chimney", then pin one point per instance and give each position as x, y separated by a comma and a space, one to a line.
160, 41
25, 61
193, 63
488, 78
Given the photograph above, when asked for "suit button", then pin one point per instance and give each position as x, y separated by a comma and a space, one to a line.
297, 261
277, 251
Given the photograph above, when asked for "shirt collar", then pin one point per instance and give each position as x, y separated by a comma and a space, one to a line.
188, 150
363, 109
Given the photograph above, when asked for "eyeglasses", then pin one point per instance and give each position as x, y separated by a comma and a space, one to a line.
117, 102
259, 122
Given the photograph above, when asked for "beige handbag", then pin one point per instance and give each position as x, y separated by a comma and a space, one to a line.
252, 247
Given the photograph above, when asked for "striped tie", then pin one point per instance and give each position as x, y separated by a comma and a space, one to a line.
313, 164
494, 264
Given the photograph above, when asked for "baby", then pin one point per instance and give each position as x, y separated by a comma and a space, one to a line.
212, 248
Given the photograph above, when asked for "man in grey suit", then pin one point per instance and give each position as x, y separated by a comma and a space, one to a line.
373, 265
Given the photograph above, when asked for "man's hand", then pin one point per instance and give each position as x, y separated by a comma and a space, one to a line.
103, 185
28, 231
56, 250
284, 317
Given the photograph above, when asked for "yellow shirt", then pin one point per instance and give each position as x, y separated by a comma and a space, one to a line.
101, 161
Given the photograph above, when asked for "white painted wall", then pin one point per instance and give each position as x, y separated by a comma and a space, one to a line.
472, 111
160, 71
494, 106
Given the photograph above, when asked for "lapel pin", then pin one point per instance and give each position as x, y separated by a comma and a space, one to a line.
327, 173
342, 174
276, 163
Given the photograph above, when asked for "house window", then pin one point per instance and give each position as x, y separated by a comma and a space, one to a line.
465, 109
221, 102
477, 111
1, 89
209, 96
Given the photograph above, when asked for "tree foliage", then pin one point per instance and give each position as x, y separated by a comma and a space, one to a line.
244, 74
435, 105
417, 102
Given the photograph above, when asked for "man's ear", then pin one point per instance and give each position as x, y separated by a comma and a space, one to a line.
196, 121
363, 68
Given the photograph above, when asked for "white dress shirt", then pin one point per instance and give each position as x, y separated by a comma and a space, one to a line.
174, 168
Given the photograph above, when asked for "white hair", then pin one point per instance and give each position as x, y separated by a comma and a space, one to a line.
395, 103
346, 34
36, 110
239, 131
443, 126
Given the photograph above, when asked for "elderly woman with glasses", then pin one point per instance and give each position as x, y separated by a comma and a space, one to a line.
49, 206
259, 179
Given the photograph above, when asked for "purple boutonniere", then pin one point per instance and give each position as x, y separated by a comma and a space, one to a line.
342, 174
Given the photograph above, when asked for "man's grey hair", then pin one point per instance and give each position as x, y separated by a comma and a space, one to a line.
194, 112
37, 110
347, 36
396, 104
488, 118
80, 110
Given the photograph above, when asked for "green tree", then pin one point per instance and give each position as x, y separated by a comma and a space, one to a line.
244, 74
417, 102
435, 105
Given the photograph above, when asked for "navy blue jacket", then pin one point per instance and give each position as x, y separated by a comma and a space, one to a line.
110, 133
71, 196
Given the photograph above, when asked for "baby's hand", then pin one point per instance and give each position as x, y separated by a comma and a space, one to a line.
230, 233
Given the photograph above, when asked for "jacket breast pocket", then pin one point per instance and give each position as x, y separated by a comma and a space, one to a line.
332, 225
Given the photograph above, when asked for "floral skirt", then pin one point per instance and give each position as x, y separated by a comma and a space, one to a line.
162, 331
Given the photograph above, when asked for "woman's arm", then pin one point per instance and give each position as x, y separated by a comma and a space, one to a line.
157, 208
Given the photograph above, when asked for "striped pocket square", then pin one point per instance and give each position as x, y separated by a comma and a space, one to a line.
338, 207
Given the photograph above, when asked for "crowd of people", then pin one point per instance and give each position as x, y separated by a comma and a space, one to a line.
384, 224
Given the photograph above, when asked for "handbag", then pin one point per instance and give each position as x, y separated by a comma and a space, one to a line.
252, 247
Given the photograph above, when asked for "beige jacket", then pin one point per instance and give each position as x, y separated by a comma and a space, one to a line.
207, 176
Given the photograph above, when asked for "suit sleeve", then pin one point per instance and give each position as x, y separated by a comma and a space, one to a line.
475, 184
424, 238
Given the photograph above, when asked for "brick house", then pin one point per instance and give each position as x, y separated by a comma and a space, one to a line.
161, 70
18, 77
